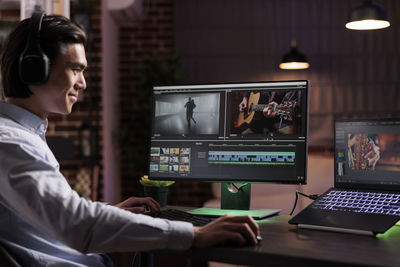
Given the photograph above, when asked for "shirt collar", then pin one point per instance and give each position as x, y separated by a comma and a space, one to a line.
24, 117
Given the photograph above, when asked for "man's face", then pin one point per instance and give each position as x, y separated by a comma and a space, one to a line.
66, 80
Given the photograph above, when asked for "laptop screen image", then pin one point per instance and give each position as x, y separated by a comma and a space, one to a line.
367, 154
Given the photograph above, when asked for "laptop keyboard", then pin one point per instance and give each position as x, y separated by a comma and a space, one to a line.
364, 202
179, 215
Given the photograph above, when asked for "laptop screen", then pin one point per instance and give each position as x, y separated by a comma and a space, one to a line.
367, 154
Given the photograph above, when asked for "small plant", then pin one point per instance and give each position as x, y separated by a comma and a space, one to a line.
145, 181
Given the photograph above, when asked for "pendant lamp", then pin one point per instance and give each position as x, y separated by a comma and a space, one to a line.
294, 60
369, 16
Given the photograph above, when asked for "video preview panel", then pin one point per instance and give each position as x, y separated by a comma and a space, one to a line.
373, 151
187, 114
266, 112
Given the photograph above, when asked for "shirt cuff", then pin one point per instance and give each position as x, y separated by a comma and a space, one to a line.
181, 236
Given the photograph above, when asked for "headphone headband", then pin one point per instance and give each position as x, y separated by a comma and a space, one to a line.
35, 25
34, 65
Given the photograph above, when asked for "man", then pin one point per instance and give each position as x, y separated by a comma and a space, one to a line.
363, 151
43, 221
190, 105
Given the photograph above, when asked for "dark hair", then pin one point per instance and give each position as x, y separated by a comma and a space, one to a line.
57, 32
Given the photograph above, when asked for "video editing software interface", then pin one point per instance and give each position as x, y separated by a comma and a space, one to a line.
368, 152
253, 132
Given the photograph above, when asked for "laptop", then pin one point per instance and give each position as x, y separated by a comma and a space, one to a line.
366, 194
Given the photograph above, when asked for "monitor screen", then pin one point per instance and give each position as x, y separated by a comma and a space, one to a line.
239, 132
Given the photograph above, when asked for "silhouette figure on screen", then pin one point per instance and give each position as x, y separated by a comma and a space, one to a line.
190, 105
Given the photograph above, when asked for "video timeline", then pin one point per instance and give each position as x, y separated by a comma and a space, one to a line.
251, 157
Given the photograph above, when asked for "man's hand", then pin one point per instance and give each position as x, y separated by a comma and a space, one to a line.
269, 111
140, 205
239, 230
243, 104
353, 140
372, 155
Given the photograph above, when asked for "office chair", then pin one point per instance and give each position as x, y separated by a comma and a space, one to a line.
6, 259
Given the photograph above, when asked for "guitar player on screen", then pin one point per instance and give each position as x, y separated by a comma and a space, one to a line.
269, 112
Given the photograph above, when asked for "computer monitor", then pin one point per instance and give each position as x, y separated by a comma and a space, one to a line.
230, 133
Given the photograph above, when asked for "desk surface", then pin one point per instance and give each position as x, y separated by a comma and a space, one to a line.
283, 245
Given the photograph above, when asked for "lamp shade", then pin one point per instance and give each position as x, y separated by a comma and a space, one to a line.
294, 60
369, 16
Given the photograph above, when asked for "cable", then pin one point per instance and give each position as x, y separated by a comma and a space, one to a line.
313, 197
136, 260
238, 188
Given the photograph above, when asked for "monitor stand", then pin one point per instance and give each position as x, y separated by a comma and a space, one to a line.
235, 201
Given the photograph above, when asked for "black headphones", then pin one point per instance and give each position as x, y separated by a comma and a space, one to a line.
34, 65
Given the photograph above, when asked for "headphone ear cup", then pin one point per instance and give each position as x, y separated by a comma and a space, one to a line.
34, 68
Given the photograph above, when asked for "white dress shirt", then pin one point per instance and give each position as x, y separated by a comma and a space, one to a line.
44, 222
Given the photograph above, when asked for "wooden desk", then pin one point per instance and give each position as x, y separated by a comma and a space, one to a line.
285, 245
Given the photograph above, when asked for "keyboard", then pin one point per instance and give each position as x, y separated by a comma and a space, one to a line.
179, 215
358, 201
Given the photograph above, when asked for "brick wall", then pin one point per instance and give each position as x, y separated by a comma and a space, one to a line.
9, 14
87, 110
152, 34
